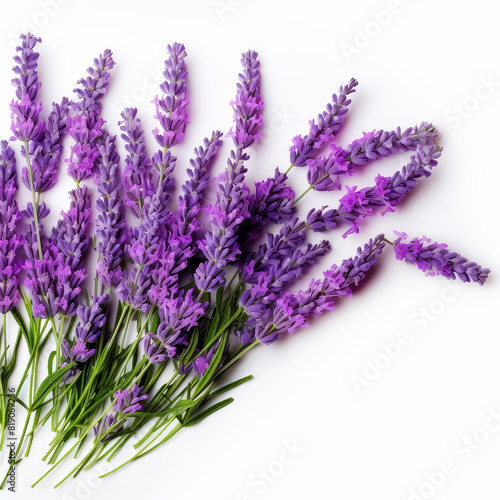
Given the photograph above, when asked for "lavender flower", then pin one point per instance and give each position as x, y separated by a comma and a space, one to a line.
291, 311
42, 139
272, 203
86, 126
10, 240
171, 112
71, 240
92, 319
26, 111
387, 193
137, 177
45, 155
324, 172
248, 103
436, 259
179, 314
127, 402
154, 258
323, 130
220, 245
110, 222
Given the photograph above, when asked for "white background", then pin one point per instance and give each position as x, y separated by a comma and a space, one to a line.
421, 62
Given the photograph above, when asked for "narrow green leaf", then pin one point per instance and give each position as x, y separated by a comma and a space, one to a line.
228, 387
205, 413
50, 383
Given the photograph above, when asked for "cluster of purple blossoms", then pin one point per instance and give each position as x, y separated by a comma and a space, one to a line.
324, 129
127, 401
55, 280
153, 246
387, 193
85, 127
220, 244
178, 315
181, 244
110, 222
92, 319
42, 139
137, 177
276, 264
436, 259
202, 362
324, 172
248, 103
289, 312
10, 239
271, 203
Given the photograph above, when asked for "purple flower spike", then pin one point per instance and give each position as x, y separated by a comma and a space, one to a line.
42, 138
92, 320
10, 239
137, 176
290, 311
179, 315
387, 193
86, 126
45, 155
26, 82
220, 245
110, 222
324, 172
171, 112
248, 103
171, 108
272, 203
324, 129
70, 238
127, 402
435, 259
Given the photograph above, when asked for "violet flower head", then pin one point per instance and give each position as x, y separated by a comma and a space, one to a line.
387, 192
324, 172
45, 154
272, 203
175, 252
171, 112
25, 111
248, 103
290, 311
110, 222
86, 126
324, 128
137, 176
127, 401
26, 82
435, 259
171, 108
92, 320
42, 138
179, 314
220, 245
10, 239
70, 238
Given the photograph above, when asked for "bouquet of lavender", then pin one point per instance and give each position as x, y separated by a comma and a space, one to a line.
182, 290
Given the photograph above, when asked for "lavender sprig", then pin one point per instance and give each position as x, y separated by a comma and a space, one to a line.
388, 192
435, 259
10, 239
86, 126
324, 128
110, 222
324, 172
220, 245
137, 175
